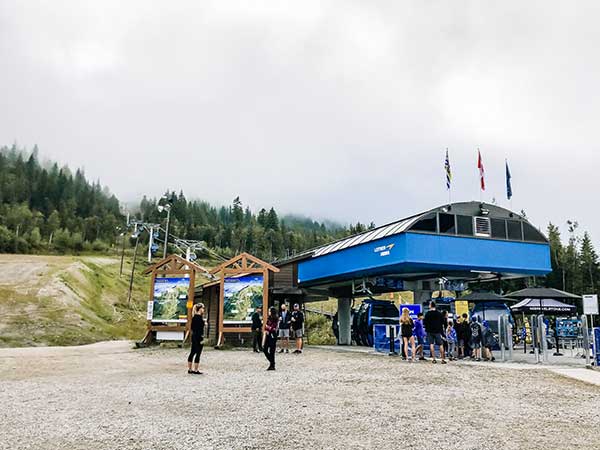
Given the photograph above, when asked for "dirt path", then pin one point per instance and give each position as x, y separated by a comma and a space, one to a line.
107, 396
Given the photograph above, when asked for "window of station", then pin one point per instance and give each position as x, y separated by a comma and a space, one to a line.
447, 224
514, 230
427, 223
531, 234
498, 228
464, 225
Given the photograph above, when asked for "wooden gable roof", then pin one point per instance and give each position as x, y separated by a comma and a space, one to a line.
175, 263
244, 262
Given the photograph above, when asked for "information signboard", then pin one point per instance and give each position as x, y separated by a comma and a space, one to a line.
568, 328
590, 304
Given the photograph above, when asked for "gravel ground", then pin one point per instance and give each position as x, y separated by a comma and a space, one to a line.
107, 396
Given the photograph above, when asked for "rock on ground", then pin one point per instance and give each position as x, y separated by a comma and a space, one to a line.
108, 396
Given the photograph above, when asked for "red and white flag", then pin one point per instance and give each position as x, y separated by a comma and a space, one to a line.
481, 170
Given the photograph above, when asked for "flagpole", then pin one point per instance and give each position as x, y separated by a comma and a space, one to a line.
479, 178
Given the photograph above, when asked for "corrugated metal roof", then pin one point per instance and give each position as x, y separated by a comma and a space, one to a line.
367, 236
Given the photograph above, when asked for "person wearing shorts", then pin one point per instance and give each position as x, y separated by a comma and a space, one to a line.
434, 326
297, 321
284, 329
419, 333
476, 338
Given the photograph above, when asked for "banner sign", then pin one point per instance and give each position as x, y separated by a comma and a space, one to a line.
590, 304
242, 296
413, 310
461, 307
568, 328
455, 285
390, 283
596, 341
170, 300
381, 338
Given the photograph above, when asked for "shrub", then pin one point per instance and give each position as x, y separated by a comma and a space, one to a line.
318, 329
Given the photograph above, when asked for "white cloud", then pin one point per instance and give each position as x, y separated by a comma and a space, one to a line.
335, 109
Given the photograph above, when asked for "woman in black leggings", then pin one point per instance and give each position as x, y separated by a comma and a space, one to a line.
271, 337
197, 338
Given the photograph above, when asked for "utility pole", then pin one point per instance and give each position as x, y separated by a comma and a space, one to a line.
122, 253
150, 242
137, 240
167, 208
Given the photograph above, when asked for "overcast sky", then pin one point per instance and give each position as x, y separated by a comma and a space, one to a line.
338, 110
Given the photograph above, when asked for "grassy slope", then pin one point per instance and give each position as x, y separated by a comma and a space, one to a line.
73, 300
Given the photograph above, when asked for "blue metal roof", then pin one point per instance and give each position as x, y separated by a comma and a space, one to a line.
395, 249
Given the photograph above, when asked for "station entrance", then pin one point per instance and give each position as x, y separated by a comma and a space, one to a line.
445, 248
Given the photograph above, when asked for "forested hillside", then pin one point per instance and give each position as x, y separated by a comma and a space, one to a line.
230, 230
45, 208
50, 208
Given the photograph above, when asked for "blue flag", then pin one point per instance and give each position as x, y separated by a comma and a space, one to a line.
508, 184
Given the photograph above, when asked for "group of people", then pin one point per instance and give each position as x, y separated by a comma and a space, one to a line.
458, 340
279, 326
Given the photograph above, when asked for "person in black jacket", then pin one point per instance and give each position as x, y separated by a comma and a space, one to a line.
297, 327
271, 337
434, 326
257, 330
285, 318
197, 338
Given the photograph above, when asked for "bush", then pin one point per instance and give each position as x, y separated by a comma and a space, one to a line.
77, 241
62, 240
99, 246
318, 329
7, 239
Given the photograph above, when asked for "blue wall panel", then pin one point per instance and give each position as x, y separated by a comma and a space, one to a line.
416, 251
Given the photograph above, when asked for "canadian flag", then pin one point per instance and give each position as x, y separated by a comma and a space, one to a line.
481, 170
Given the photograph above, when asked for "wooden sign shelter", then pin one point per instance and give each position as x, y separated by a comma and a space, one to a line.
170, 266
243, 264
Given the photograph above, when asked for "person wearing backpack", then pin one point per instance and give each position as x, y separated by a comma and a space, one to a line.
488, 341
476, 338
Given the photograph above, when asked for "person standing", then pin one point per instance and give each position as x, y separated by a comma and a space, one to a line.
461, 328
451, 340
434, 326
297, 321
284, 329
197, 329
419, 333
488, 341
270, 344
406, 331
475, 342
257, 325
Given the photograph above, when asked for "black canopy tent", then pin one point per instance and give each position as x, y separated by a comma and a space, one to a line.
542, 293
549, 306
544, 301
